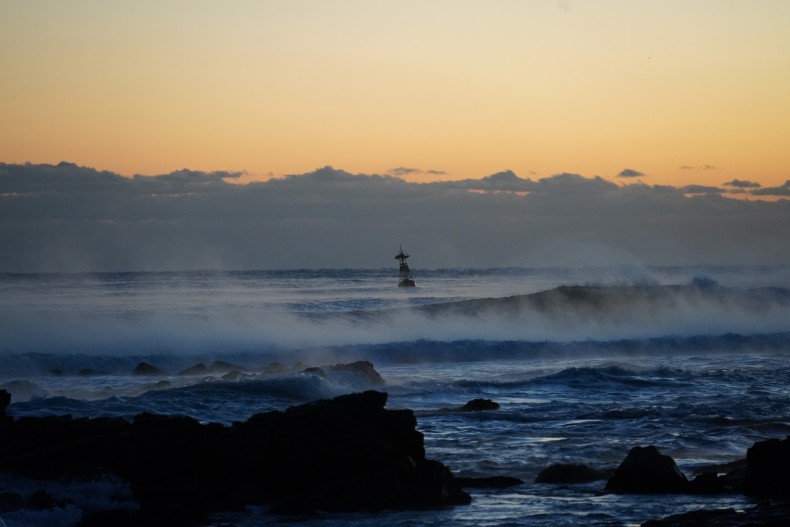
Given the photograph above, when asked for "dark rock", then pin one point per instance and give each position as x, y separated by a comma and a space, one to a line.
708, 483
474, 405
42, 500
646, 471
5, 400
479, 405
197, 369
147, 370
569, 473
491, 482
10, 501
362, 368
343, 454
767, 472
232, 376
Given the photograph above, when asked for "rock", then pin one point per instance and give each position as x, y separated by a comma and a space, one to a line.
646, 471
767, 473
5, 400
491, 482
479, 405
474, 405
362, 368
708, 483
344, 454
232, 376
569, 473
147, 370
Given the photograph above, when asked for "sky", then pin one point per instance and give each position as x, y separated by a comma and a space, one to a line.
677, 91
167, 135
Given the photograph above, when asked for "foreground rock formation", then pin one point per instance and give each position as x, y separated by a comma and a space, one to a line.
343, 454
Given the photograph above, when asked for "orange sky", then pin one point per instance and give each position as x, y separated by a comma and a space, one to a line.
683, 91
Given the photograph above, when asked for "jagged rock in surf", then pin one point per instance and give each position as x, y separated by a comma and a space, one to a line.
342, 454
362, 370
474, 405
5, 400
148, 370
646, 471
767, 472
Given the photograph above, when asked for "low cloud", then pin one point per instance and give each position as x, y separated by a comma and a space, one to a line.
743, 184
406, 171
629, 173
70, 218
698, 167
782, 190
701, 189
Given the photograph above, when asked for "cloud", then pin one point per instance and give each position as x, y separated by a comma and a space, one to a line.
406, 171
69, 218
782, 190
698, 167
701, 189
629, 173
737, 183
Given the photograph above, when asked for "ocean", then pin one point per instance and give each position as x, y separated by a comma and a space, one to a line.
585, 363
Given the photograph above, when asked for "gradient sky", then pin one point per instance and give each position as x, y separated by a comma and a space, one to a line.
686, 91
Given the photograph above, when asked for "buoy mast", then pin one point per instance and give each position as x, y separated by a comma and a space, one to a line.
405, 273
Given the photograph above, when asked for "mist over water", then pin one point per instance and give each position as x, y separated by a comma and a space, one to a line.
200, 313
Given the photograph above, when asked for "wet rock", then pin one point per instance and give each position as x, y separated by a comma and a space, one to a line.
646, 471
148, 370
362, 368
571, 473
474, 405
5, 400
342, 454
767, 473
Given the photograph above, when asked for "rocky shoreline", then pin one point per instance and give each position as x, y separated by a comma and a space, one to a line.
343, 454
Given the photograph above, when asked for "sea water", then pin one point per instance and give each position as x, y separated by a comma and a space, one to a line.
701, 374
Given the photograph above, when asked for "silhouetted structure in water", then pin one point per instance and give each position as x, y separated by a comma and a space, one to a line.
405, 273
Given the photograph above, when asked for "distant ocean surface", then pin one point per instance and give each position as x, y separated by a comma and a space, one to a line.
585, 363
